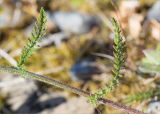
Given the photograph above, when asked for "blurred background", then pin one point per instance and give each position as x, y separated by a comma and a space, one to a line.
78, 50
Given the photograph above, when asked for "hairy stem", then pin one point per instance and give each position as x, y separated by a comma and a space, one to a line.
41, 78
47, 80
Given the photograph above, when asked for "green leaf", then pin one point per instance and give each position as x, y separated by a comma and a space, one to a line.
147, 67
153, 56
140, 96
37, 33
119, 59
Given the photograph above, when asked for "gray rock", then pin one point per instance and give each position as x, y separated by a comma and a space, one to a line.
74, 22
37, 103
84, 69
17, 89
73, 106
154, 108
154, 12
23, 96
5, 17
10, 17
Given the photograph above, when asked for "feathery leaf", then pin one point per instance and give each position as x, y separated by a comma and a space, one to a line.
141, 96
37, 33
119, 59
144, 95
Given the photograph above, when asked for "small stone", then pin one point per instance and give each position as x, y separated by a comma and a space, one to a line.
74, 22
135, 26
154, 12
17, 89
128, 7
74, 106
155, 30
5, 17
154, 108
38, 103
84, 70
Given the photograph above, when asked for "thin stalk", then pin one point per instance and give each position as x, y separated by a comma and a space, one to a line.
47, 80
41, 78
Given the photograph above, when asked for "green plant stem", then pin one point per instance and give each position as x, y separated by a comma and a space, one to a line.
41, 78
47, 80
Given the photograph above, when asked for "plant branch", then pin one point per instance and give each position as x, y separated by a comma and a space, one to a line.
119, 60
47, 80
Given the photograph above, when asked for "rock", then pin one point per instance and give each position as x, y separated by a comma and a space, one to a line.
154, 107
17, 89
154, 12
155, 29
23, 96
5, 17
84, 70
10, 17
38, 103
134, 24
73, 106
128, 7
74, 22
